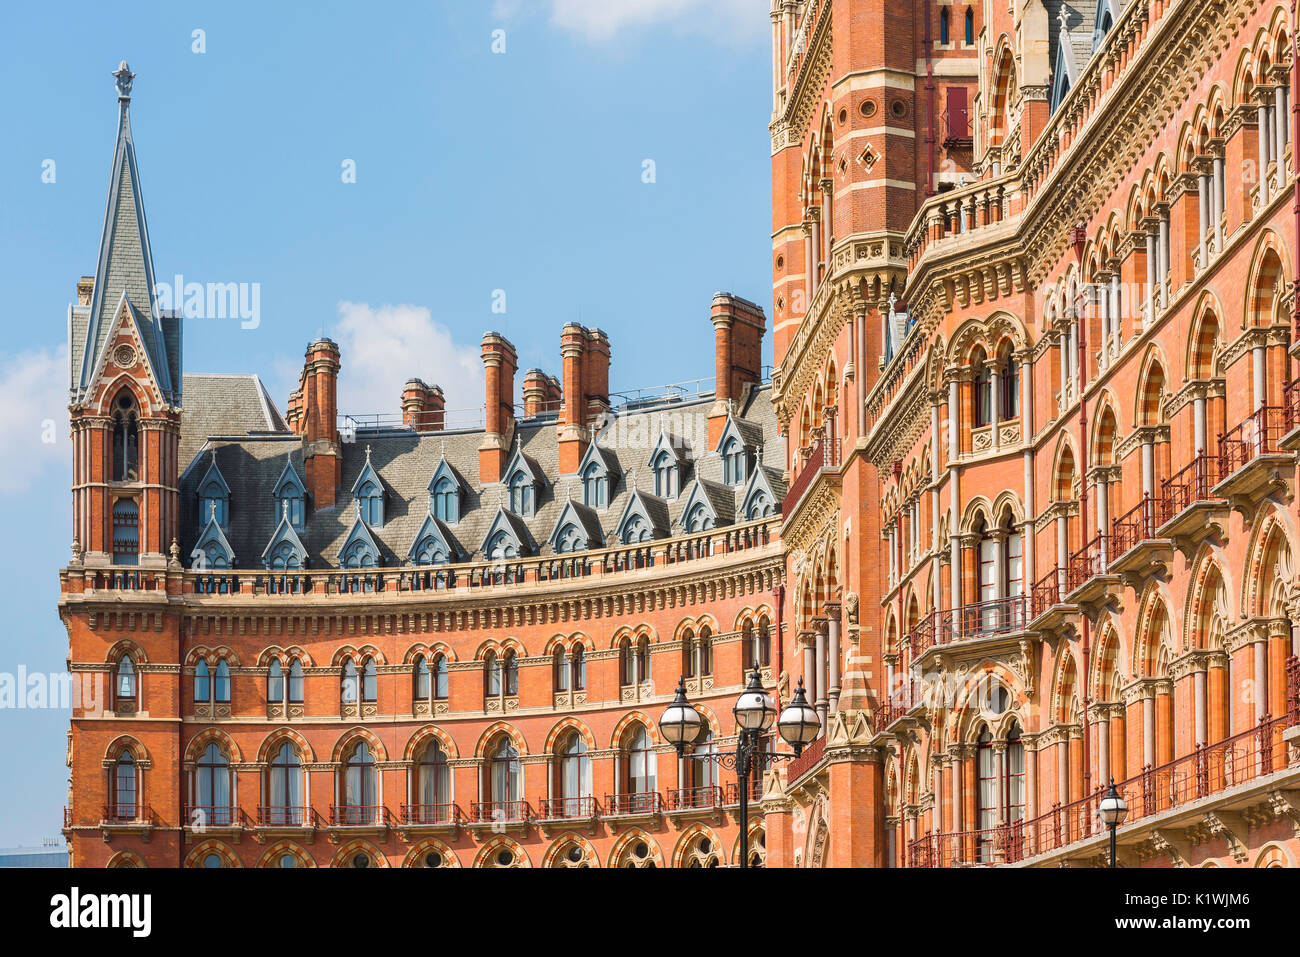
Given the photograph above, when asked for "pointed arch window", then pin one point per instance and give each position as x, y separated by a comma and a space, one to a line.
574, 766
699, 519
756, 645
371, 497
666, 477
212, 787
125, 685
521, 494
349, 686
733, 462
434, 779
595, 486
126, 438
275, 682
284, 787
502, 546
636, 530
970, 26
505, 772
491, 675
446, 506
125, 792
560, 670
440, 677
639, 763
981, 392
511, 674
213, 503
570, 540
295, 681
423, 686
360, 786
700, 767
945, 27
369, 681
1008, 386
202, 683
578, 668
221, 683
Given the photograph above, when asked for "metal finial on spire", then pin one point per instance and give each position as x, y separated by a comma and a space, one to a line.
367, 453
123, 76
1064, 15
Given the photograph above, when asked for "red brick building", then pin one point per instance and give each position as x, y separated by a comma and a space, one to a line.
1018, 506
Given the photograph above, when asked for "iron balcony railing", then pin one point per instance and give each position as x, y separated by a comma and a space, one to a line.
1189, 485
810, 758
200, 816
359, 815
732, 792
280, 815
1135, 526
623, 805
1046, 592
1000, 844
444, 815
816, 460
1087, 562
1257, 434
984, 619
568, 809
500, 812
690, 799
140, 814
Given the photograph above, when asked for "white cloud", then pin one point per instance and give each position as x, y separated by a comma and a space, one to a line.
384, 346
602, 19
34, 426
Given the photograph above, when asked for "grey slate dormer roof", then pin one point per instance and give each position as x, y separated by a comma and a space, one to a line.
406, 461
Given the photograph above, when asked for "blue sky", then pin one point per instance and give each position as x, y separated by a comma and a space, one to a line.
476, 172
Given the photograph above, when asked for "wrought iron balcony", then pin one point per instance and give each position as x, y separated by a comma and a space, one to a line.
1252, 457
432, 815
500, 812
568, 809
278, 815
704, 798
642, 804
359, 815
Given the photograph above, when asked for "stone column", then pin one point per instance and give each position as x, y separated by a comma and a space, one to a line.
823, 700
832, 610
808, 639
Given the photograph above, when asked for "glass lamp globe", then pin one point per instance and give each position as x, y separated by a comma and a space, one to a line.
680, 723
798, 724
754, 709
1112, 808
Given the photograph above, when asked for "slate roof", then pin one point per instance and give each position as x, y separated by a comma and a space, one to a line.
227, 405
406, 461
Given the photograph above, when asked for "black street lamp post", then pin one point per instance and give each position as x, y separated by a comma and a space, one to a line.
755, 714
1113, 810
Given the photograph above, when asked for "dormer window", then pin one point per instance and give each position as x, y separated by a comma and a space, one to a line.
521, 494
290, 497
636, 531
213, 504
444, 501
699, 519
733, 462
595, 487
667, 481
372, 504
570, 540
502, 545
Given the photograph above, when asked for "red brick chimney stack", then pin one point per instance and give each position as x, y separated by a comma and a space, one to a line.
500, 362
738, 327
423, 406
322, 455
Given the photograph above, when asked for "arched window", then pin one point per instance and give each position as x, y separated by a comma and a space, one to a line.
626, 663
369, 681
295, 681
636, 531
578, 668
1015, 774
491, 675
511, 674
643, 658
521, 494
125, 793
688, 653
560, 670
440, 677
284, 788
445, 506
570, 540
349, 682
970, 26
505, 773
434, 781
202, 687
371, 497
212, 787
665, 470
423, 686
638, 761
699, 519
944, 25
574, 778
756, 645
213, 504
126, 438
981, 392
125, 685
126, 532
593, 486
221, 683
502, 546
1009, 386
704, 651
275, 681
986, 796
359, 786
733, 462
700, 768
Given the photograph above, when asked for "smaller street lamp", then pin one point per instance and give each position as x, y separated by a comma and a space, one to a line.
1113, 811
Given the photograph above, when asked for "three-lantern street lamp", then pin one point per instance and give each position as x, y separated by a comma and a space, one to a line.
755, 713
1112, 810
